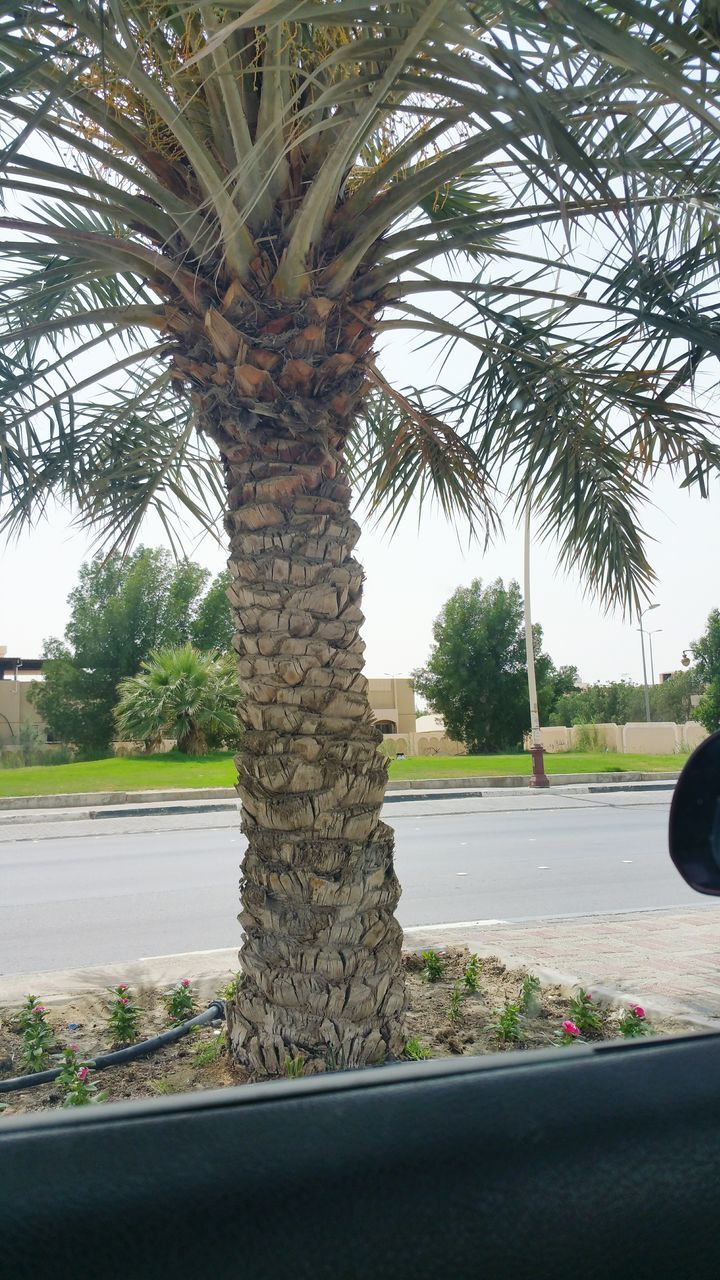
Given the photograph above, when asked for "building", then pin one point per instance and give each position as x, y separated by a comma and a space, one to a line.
16, 676
393, 703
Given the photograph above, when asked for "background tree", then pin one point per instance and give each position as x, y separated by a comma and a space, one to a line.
476, 675
706, 652
121, 609
621, 702
221, 211
212, 627
182, 694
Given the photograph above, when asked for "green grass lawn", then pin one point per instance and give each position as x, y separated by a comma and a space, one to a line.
148, 773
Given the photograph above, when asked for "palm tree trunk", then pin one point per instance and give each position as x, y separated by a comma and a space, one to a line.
321, 956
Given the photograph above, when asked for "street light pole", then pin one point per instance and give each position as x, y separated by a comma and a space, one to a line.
641, 615
650, 635
538, 777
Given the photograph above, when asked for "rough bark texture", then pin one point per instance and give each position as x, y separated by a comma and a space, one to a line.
321, 962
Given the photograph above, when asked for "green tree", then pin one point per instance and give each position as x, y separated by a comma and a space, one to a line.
212, 627
221, 210
615, 703
121, 609
183, 694
476, 675
706, 652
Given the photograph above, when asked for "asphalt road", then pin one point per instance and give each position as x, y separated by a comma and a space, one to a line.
72, 901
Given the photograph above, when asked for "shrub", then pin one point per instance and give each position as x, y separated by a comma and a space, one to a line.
455, 1003
633, 1022
471, 973
123, 1015
209, 1052
294, 1067
507, 1027
231, 988
416, 1051
584, 1014
530, 993
180, 1002
76, 1083
587, 738
434, 966
37, 1037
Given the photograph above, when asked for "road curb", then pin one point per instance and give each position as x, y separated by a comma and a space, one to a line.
210, 969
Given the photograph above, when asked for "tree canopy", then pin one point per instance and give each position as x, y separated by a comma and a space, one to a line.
706, 652
476, 675
121, 609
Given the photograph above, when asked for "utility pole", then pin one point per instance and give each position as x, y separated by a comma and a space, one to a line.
538, 778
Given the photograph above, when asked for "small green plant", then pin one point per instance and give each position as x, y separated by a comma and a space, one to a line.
231, 988
471, 973
584, 1014
455, 1003
180, 1002
434, 966
507, 1027
209, 1052
587, 738
24, 1017
164, 1087
530, 993
123, 1015
37, 1038
77, 1086
416, 1051
294, 1067
633, 1022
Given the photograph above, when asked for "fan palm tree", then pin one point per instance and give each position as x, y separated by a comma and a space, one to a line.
216, 212
183, 694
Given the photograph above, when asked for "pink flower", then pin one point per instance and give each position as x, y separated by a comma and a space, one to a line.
570, 1029
73, 1047
638, 1010
83, 1074
124, 1000
122, 986
587, 996
185, 982
38, 1008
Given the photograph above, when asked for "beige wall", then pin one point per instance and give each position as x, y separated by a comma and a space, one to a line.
658, 738
14, 709
393, 700
433, 743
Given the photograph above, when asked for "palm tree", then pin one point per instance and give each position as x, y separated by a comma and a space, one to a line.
183, 694
216, 213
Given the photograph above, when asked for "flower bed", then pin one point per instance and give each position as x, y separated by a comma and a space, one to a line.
458, 1004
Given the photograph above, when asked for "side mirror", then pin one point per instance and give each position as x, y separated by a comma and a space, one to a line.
695, 819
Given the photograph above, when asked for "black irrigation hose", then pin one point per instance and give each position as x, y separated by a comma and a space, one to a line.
215, 1010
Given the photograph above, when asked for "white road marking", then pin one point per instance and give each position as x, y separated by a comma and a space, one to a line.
461, 873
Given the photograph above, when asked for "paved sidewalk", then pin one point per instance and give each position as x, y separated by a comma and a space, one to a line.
669, 961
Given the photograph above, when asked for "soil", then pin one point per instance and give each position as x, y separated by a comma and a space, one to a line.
199, 1061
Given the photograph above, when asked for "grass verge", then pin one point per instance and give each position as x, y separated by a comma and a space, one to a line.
152, 773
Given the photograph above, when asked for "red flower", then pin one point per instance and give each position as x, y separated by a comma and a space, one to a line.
569, 1028
638, 1010
185, 982
83, 1074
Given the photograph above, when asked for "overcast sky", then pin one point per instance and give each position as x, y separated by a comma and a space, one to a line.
410, 576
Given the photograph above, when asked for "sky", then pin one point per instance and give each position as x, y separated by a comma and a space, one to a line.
409, 577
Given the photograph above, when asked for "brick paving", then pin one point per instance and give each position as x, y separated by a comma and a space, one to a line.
667, 960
